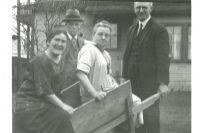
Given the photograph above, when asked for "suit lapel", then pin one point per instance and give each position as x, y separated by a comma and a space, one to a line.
80, 42
69, 44
129, 41
79, 45
69, 41
131, 36
145, 31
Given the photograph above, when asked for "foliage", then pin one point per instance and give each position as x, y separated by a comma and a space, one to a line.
44, 15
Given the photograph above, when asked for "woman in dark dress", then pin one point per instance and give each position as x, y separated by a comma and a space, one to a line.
38, 108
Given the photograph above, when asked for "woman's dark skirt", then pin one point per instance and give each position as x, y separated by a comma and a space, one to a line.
47, 120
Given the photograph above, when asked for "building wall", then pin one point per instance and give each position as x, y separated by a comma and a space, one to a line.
117, 56
173, 19
180, 73
180, 76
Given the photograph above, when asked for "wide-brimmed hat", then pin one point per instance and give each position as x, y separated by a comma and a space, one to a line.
72, 15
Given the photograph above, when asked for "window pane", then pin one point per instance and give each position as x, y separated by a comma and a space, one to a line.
189, 42
113, 37
170, 31
113, 42
114, 29
175, 41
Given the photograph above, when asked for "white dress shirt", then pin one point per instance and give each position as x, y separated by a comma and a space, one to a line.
144, 23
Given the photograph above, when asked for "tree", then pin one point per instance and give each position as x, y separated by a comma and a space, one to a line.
23, 32
44, 15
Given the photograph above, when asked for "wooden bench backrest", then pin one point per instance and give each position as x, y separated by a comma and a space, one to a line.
71, 95
96, 114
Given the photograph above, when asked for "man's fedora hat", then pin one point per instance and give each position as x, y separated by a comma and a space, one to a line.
72, 15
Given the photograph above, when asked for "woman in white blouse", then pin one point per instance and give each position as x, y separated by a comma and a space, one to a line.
94, 65
94, 68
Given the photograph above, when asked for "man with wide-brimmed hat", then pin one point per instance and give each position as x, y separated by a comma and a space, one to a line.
73, 22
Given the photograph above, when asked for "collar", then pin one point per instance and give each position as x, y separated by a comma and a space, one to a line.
70, 36
144, 23
93, 43
102, 50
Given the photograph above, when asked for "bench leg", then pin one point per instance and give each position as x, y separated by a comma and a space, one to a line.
130, 114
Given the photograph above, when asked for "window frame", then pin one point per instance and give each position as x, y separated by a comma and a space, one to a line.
116, 36
184, 42
189, 25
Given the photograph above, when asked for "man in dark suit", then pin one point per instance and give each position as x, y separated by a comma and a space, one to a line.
73, 23
146, 62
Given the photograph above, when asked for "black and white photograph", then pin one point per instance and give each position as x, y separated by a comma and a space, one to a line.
101, 66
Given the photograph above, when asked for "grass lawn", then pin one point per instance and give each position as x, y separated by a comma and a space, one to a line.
176, 113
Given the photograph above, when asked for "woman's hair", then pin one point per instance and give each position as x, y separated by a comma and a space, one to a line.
102, 23
54, 32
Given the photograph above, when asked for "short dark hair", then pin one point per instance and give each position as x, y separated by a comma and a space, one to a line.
54, 32
102, 23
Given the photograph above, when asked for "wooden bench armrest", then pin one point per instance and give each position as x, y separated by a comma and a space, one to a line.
146, 103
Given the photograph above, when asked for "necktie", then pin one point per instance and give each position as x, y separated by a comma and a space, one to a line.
140, 30
74, 41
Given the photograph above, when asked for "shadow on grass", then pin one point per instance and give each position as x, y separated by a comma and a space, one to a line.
176, 113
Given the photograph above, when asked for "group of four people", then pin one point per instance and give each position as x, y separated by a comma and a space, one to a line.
69, 58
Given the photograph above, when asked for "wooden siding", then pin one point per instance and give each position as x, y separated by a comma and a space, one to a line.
180, 76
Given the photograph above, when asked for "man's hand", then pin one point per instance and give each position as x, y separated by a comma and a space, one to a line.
163, 90
123, 80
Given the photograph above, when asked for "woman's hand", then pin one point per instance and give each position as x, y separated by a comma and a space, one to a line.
85, 82
53, 99
69, 109
100, 95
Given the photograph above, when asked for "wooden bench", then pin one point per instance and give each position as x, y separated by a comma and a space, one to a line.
101, 116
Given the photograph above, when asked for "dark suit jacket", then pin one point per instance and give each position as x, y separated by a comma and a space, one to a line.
153, 55
71, 54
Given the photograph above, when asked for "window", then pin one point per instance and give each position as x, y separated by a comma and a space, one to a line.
189, 42
113, 38
175, 41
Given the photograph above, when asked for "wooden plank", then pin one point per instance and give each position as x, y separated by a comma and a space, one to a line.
146, 103
123, 117
96, 117
129, 107
71, 95
95, 114
110, 125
